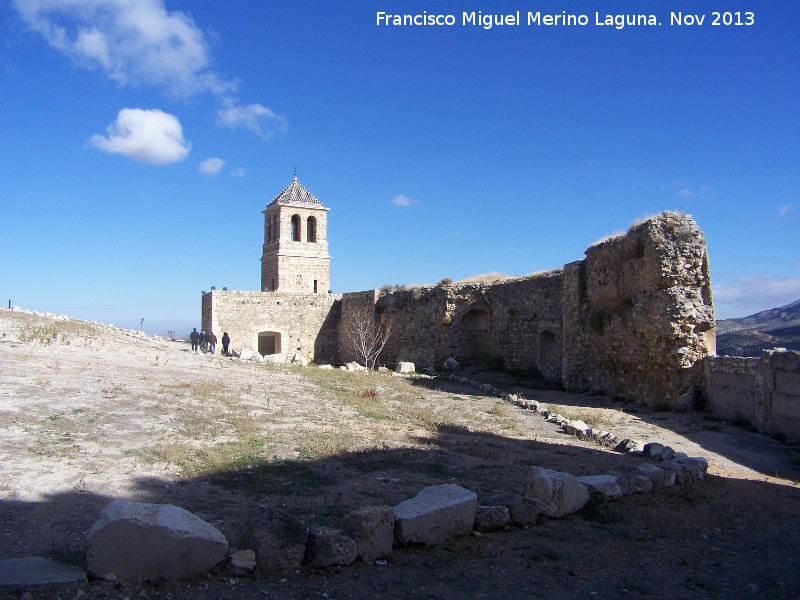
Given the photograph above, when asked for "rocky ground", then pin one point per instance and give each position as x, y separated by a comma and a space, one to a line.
90, 413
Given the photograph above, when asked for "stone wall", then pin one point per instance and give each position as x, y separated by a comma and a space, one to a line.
764, 392
634, 318
305, 323
515, 324
638, 313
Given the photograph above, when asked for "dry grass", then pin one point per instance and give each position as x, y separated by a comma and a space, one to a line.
595, 418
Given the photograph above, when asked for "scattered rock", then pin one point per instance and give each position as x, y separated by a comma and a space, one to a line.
578, 428
152, 541
602, 488
436, 514
372, 528
562, 493
39, 573
491, 518
354, 367
246, 354
406, 367
329, 547
299, 359
451, 364
242, 563
523, 512
278, 538
325, 367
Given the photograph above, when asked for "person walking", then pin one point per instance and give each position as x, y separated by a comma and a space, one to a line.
212, 342
226, 341
194, 337
203, 340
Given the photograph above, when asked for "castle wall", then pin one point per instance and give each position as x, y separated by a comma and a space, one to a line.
638, 314
764, 391
516, 324
307, 323
634, 318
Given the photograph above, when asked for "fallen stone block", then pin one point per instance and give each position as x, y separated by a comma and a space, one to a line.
354, 367
655, 474
405, 367
38, 573
325, 367
522, 511
278, 539
562, 493
152, 541
491, 518
372, 528
451, 364
276, 359
640, 484
653, 450
436, 514
696, 461
246, 354
329, 547
577, 427
602, 488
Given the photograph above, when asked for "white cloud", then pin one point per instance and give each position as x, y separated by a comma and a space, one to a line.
237, 172
746, 295
132, 41
782, 210
259, 119
211, 166
150, 136
403, 201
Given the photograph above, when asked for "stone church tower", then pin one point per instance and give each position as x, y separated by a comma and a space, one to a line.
295, 255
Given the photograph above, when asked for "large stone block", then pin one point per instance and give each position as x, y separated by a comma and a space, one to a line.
522, 511
149, 541
602, 488
436, 514
329, 547
372, 528
278, 539
561, 492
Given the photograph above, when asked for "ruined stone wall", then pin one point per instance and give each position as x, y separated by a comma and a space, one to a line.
307, 323
762, 391
638, 313
634, 318
515, 324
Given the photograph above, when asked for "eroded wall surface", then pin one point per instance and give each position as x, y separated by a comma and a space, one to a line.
764, 392
638, 313
634, 318
307, 323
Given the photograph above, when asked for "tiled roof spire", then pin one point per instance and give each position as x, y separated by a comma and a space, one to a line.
296, 194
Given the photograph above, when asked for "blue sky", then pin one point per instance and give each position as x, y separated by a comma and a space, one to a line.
142, 140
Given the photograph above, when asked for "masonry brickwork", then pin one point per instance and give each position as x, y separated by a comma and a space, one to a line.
634, 318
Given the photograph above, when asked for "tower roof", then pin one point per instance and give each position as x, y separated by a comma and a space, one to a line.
295, 194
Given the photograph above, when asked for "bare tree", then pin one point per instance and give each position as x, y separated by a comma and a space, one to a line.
365, 334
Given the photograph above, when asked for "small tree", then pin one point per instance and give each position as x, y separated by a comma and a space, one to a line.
365, 334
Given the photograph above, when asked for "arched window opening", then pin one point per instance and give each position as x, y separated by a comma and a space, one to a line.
548, 351
312, 230
296, 228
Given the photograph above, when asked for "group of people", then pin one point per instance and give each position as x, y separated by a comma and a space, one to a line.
207, 342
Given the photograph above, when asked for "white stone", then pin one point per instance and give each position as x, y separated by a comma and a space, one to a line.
451, 364
276, 359
326, 367
405, 367
354, 367
151, 541
246, 354
299, 359
576, 428
561, 492
436, 514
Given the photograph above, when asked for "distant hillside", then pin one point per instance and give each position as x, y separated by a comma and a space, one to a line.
748, 336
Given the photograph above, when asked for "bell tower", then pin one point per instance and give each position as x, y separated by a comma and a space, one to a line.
295, 255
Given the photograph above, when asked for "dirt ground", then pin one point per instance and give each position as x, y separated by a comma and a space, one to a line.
90, 413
